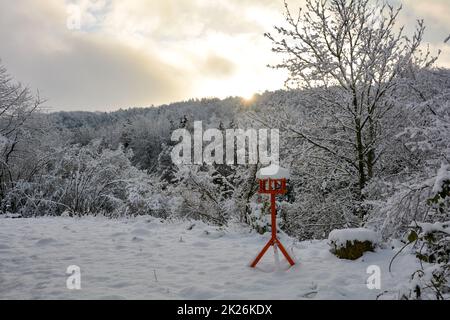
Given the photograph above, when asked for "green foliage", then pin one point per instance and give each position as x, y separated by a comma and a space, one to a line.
413, 236
440, 201
433, 250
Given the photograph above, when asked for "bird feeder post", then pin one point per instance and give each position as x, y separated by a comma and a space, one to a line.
273, 181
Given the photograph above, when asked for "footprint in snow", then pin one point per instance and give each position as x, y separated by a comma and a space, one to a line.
309, 295
137, 239
68, 258
213, 235
120, 285
45, 242
41, 286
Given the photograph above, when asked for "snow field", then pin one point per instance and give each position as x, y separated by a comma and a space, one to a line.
144, 258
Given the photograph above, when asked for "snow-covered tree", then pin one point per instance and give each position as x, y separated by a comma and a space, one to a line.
349, 56
17, 105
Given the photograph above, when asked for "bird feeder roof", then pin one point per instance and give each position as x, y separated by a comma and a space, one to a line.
273, 172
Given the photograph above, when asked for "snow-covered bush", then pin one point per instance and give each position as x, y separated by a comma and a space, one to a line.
259, 217
144, 197
432, 247
352, 243
80, 180
202, 197
418, 157
431, 244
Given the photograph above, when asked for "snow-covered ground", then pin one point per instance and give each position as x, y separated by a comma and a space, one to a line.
145, 258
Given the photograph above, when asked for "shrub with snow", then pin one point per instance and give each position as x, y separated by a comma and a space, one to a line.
260, 217
352, 243
432, 247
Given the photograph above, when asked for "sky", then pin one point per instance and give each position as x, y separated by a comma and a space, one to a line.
103, 55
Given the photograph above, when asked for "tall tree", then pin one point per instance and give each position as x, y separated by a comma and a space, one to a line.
349, 56
16, 106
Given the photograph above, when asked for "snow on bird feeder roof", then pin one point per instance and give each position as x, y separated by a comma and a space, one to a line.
273, 172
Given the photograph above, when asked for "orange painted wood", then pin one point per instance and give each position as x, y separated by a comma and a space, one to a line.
273, 187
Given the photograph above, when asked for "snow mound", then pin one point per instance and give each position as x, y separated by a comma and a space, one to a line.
341, 236
442, 176
428, 228
273, 172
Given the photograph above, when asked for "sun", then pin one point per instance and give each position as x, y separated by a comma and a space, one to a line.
248, 96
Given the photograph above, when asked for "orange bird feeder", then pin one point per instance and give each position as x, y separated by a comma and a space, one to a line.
273, 180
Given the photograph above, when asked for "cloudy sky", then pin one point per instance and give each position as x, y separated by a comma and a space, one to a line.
148, 52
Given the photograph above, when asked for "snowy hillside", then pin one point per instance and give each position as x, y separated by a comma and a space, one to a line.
145, 258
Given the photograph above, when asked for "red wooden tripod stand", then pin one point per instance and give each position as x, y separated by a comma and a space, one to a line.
273, 187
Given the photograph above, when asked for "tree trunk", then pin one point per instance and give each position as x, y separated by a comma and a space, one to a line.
360, 155
371, 152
